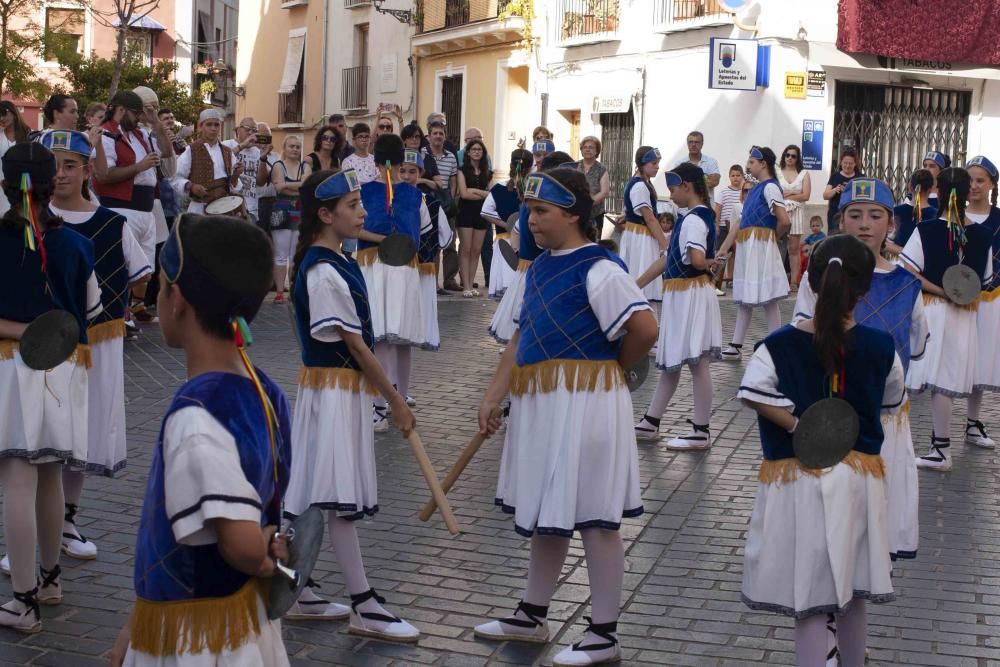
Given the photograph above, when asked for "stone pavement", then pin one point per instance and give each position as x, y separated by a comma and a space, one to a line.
684, 555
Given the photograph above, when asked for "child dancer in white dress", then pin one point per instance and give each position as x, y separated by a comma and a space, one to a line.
503, 201
983, 209
949, 366
333, 448
691, 329
643, 241
894, 305
758, 276
802, 558
570, 461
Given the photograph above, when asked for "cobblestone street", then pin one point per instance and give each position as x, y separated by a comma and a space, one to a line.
682, 603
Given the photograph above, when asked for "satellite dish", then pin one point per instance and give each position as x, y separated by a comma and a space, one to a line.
734, 5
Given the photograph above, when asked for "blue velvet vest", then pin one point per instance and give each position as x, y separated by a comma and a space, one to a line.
317, 353
676, 268
528, 249
755, 211
630, 213
802, 379
70, 263
906, 222
888, 307
166, 571
556, 320
105, 230
992, 223
938, 257
405, 217
430, 244
507, 203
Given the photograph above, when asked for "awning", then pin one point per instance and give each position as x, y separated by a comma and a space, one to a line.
293, 60
142, 23
825, 54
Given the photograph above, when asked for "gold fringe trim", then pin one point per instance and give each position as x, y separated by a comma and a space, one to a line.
523, 264
7, 348
759, 233
785, 471
503, 236
636, 228
105, 331
684, 284
427, 269
369, 256
80, 357
899, 417
934, 298
193, 626
572, 374
991, 295
322, 377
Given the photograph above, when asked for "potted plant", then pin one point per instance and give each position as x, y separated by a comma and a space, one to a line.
606, 15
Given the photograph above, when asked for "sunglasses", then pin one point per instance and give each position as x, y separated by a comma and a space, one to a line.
790, 155
248, 129
329, 139
385, 127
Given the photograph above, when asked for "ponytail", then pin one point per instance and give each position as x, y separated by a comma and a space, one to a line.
701, 189
309, 224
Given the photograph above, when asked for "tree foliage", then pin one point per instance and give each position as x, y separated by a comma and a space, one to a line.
22, 40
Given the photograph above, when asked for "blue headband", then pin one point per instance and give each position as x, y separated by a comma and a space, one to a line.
413, 157
984, 163
652, 155
935, 156
172, 254
756, 154
673, 179
544, 146
547, 189
338, 185
67, 141
867, 190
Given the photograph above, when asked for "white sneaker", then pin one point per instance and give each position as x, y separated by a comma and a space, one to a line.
647, 432
938, 457
599, 646
380, 419
975, 434
719, 292
370, 619
528, 624
412, 402
732, 353
22, 613
74, 544
49, 586
698, 438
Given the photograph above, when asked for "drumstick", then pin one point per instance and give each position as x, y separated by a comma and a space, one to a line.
432, 481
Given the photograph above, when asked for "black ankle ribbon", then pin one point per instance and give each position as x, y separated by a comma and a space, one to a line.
602, 630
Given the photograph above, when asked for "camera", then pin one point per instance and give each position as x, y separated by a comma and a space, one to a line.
263, 139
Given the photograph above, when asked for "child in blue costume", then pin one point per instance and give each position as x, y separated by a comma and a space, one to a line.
503, 201
910, 213
949, 366
43, 414
894, 305
333, 441
817, 542
982, 209
393, 291
935, 162
759, 278
691, 326
206, 547
569, 461
643, 241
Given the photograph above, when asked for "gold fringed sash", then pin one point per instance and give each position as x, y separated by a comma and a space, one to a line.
321, 377
785, 471
369, 256
7, 348
80, 357
105, 331
684, 284
523, 264
572, 374
193, 626
636, 228
427, 269
503, 236
759, 233
991, 295
899, 417
934, 298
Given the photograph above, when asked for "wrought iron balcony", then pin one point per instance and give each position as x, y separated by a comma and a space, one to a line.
687, 14
290, 107
444, 26
354, 95
351, 4
587, 19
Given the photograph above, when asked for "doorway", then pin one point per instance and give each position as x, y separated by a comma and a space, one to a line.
451, 105
617, 139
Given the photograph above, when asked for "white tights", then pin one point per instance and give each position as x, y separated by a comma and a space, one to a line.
347, 551
397, 361
701, 380
811, 645
941, 406
975, 402
32, 514
743, 314
72, 485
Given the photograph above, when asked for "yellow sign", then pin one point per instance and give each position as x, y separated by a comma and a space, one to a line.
795, 85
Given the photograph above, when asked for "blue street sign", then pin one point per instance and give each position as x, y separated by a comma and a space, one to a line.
812, 144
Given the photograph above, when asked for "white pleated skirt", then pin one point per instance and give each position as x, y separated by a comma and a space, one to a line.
106, 447
638, 249
577, 471
333, 450
902, 485
501, 275
43, 414
817, 543
429, 306
395, 301
758, 275
987, 376
949, 365
509, 309
690, 324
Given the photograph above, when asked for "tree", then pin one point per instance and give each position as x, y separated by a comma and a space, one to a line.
124, 14
22, 40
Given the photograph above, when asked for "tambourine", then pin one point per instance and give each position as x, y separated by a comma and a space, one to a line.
509, 254
826, 433
961, 285
397, 250
720, 266
232, 205
637, 374
512, 221
305, 537
49, 340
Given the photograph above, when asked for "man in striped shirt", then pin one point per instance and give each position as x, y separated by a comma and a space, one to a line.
447, 180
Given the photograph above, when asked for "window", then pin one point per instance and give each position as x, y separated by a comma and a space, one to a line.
291, 93
139, 47
63, 32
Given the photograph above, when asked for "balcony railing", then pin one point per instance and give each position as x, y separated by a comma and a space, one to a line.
587, 18
355, 88
684, 13
351, 4
290, 107
439, 14
456, 12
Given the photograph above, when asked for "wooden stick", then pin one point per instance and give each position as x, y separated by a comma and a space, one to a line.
453, 474
432, 481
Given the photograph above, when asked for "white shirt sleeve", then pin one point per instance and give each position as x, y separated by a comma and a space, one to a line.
805, 301
614, 297
913, 252
136, 263
232, 166
490, 207
760, 381
94, 306
109, 151
180, 179
773, 196
331, 307
444, 229
425, 217
203, 479
639, 196
895, 388
694, 234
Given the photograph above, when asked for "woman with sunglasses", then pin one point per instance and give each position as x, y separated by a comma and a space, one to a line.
383, 126
327, 148
796, 187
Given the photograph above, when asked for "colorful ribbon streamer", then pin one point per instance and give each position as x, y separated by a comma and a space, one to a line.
243, 339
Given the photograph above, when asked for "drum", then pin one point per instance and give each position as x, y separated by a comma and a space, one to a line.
232, 205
